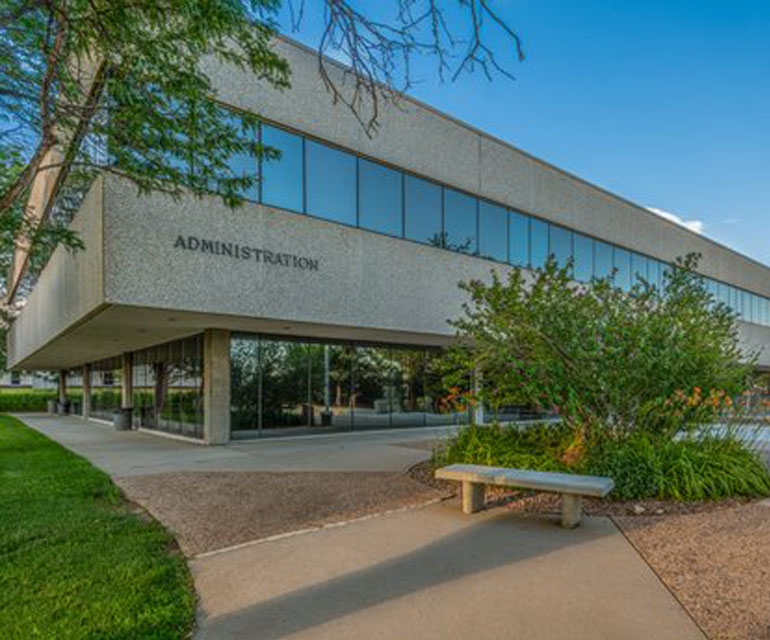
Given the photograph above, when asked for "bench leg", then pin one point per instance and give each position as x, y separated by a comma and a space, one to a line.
473, 497
570, 510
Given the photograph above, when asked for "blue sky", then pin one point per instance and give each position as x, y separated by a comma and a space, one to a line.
666, 103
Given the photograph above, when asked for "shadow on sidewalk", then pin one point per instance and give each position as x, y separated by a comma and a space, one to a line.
491, 544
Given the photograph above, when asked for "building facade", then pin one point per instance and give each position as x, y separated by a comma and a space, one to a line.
320, 303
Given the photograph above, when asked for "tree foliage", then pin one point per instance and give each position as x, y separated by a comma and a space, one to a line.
118, 86
601, 356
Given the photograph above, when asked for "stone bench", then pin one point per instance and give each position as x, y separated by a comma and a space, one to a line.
474, 477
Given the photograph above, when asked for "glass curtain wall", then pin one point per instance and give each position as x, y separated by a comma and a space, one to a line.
105, 388
293, 386
168, 387
322, 180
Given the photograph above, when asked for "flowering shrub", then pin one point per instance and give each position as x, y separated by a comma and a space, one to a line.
607, 360
649, 383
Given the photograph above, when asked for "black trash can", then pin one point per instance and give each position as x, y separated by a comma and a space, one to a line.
63, 407
122, 419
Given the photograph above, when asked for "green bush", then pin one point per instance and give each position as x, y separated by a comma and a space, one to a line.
538, 447
643, 466
691, 468
27, 400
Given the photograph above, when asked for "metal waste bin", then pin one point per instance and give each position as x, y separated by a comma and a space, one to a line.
121, 418
53, 406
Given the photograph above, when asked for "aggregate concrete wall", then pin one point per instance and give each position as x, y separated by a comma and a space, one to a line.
418, 138
363, 279
69, 288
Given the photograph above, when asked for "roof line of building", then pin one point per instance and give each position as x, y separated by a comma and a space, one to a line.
480, 132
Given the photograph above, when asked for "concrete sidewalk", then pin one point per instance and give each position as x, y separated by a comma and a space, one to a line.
433, 573
128, 453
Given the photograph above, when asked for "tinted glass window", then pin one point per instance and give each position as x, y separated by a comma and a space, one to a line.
623, 269
653, 272
583, 247
379, 198
602, 259
244, 165
560, 244
639, 268
723, 293
739, 303
539, 242
493, 231
423, 210
331, 183
663, 275
519, 238
711, 287
459, 221
282, 179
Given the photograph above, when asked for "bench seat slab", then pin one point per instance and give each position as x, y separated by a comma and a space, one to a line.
564, 483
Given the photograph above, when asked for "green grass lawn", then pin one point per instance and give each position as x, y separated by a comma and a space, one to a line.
75, 560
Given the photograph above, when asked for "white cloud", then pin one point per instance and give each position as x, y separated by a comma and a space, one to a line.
693, 225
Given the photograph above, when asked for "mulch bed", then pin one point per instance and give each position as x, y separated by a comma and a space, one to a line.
213, 510
713, 556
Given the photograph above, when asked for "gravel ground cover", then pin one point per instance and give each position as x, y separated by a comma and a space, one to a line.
212, 510
713, 556
717, 563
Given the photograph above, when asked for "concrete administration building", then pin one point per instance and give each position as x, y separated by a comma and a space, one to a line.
319, 304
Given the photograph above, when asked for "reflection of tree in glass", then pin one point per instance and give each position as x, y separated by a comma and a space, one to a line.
303, 378
440, 240
374, 374
244, 372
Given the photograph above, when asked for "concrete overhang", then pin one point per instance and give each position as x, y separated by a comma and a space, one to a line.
115, 329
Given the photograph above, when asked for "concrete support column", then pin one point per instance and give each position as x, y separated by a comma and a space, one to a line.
62, 408
62, 387
478, 410
216, 386
86, 391
127, 382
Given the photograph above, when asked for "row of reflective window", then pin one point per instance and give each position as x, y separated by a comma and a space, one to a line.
327, 182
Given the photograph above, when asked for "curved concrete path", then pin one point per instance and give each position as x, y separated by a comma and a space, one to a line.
129, 453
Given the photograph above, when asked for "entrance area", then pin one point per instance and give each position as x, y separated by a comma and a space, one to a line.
281, 386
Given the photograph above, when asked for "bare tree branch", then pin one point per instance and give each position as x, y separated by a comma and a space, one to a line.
378, 54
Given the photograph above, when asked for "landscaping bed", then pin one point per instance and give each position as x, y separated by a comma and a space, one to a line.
213, 510
76, 559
